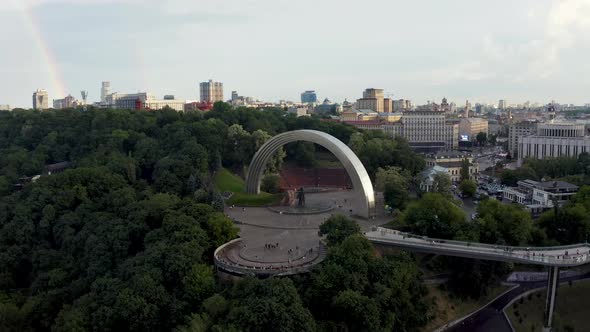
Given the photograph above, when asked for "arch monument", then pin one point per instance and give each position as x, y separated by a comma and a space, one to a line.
364, 201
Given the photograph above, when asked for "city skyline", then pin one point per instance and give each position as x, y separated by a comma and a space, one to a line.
533, 52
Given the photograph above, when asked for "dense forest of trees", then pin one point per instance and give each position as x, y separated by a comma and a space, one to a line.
123, 240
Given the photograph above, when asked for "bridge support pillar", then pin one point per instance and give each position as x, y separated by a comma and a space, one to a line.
552, 283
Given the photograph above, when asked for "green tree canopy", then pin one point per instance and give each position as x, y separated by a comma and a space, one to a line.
434, 216
465, 169
394, 186
442, 184
502, 223
468, 187
337, 228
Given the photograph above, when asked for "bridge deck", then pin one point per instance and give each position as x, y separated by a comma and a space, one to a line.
562, 256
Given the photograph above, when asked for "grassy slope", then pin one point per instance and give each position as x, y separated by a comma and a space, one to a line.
448, 309
571, 309
226, 181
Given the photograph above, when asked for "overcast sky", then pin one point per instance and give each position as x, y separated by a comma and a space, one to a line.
480, 50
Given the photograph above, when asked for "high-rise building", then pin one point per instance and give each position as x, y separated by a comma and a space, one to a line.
211, 91
502, 104
478, 108
373, 93
402, 105
372, 100
467, 109
105, 90
67, 102
387, 105
40, 100
5, 107
234, 96
309, 96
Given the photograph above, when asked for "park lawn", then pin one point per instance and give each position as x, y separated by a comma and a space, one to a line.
227, 181
262, 199
571, 309
448, 309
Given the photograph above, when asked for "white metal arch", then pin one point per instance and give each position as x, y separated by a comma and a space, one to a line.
364, 202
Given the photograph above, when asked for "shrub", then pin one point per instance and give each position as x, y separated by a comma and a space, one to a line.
271, 183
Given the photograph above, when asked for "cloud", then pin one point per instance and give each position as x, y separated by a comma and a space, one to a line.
277, 48
566, 24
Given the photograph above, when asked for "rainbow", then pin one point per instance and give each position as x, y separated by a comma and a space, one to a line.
46, 53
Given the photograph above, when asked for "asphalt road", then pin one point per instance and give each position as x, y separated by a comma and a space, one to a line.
491, 318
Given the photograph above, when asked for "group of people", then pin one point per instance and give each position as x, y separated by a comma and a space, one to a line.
271, 245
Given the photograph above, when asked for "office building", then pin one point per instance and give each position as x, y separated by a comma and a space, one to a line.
536, 194
372, 100
152, 104
426, 131
359, 115
402, 105
105, 90
67, 102
554, 139
309, 96
470, 127
300, 110
40, 100
328, 108
452, 161
387, 105
502, 104
144, 101
516, 131
129, 101
238, 100
370, 104
4, 107
211, 92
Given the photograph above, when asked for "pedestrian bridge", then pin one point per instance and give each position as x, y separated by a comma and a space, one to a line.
561, 256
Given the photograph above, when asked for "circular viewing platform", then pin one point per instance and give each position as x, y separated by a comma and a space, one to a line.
266, 260
315, 208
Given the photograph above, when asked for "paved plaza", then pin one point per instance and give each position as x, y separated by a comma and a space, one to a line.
275, 241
